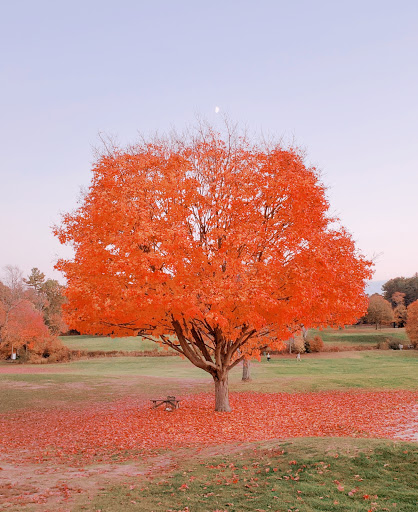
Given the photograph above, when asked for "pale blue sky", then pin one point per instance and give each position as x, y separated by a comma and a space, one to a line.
339, 77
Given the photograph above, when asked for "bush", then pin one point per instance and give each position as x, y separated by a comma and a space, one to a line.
299, 345
316, 344
347, 348
394, 344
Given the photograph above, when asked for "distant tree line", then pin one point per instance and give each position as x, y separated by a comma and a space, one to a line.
397, 306
405, 285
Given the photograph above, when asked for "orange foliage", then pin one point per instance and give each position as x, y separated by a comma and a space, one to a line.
25, 326
217, 246
2, 315
412, 323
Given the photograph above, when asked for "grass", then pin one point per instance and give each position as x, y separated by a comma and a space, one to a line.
304, 475
103, 343
105, 379
359, 335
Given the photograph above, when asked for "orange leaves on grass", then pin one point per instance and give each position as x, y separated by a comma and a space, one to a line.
126, 430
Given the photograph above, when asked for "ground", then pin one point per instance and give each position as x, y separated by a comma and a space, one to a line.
336, 431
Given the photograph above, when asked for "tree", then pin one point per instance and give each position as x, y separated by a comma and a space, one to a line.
21, 314
36, 279
12, 292
215, 244
405, 285
400, 315
399, 312
53, 292
47, 296
379, 311
411, 327
246, 371
25, 327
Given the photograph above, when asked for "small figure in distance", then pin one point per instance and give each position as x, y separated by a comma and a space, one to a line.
268, 356
298, 357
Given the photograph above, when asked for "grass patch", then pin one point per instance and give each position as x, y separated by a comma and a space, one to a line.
362, 370
359, 335
306, 475
149, 377
107, 344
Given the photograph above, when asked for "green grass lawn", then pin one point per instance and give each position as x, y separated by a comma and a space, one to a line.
93, 343
305, 475
111, 378
359, 335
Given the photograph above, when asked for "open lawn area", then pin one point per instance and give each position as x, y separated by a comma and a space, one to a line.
360, 335
336, 431
107, 344
363, 335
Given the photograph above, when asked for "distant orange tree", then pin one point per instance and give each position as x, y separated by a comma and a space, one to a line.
215, 244
412, 323
379, 311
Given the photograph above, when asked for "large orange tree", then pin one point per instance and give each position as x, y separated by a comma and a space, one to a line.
215, 245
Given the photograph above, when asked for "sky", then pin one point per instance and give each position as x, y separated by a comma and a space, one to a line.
338, 78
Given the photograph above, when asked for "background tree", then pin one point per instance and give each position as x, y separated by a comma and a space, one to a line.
379, 311
246, 370
35, 280
411, 327
399, 312
47, 296
400, 315
22, 322
405, 285
25, 327
52, 311
212, 243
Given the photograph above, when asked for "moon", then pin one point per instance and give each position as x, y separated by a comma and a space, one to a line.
217, 109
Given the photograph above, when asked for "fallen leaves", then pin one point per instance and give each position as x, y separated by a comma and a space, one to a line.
127, 430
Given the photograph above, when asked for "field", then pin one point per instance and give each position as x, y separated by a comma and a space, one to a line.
360, 335
94, 343
351, 336
336, 431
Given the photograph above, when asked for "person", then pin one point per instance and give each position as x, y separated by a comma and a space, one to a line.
298, 357
268, 356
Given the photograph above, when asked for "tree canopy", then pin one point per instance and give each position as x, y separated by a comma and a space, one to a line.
215, 244
405, 285
379, 311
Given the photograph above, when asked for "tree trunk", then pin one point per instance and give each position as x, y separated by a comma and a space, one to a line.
246, 374
221, 394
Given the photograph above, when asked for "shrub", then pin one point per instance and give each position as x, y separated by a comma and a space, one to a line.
316, 344
299, 345
394, 344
